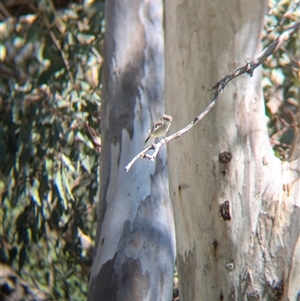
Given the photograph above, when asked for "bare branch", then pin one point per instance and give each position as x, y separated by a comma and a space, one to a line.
141, 155
219, 88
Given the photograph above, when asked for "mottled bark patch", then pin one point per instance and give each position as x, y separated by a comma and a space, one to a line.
126, 283
105, 287
134, 285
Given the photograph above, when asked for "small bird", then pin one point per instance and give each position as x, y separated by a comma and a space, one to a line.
160, 128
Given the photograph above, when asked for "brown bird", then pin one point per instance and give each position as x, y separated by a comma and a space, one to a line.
160, 128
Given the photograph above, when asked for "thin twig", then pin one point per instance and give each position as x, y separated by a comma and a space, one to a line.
219, 88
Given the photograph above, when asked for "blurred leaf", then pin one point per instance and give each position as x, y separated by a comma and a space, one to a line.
60, 188
67, 162
63, 103
34, 192
66, 183
2, 186
70, 137
2, 52
84, 139
85, 161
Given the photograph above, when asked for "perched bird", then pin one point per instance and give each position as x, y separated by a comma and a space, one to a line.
160, 128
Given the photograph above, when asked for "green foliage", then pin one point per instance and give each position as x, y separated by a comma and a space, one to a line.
282, 77
49, 145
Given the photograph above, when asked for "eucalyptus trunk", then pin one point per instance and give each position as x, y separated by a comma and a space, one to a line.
135, 246
236, 205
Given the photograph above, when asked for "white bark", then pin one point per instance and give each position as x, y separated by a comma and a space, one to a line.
255, 254
135, 249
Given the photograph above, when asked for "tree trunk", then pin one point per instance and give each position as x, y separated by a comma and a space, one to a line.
237, 226
135, 246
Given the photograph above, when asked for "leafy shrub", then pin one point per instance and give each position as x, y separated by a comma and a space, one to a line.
50, 144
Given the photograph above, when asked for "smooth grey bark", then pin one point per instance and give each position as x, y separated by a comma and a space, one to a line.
135, 244
254, 254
